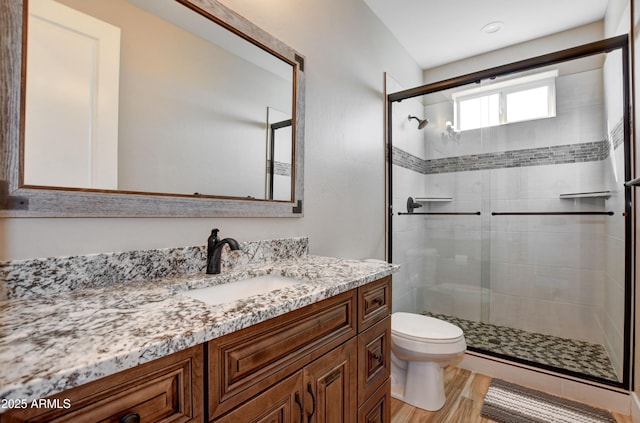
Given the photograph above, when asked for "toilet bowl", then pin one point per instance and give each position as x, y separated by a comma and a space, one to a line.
421, 346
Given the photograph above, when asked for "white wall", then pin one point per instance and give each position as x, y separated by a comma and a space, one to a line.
347, 51
567, 39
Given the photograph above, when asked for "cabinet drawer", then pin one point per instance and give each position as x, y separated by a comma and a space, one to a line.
374, 358
165, 390
377, 409
374, 302
246, 362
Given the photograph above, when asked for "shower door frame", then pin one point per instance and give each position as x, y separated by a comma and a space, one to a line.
604, 46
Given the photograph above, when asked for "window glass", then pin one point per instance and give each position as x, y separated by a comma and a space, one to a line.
513, 100
527, 104
479, 112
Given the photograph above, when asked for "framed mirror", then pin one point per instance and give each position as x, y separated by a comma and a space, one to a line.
148, 108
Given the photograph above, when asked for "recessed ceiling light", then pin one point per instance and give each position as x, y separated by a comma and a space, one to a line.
492, 27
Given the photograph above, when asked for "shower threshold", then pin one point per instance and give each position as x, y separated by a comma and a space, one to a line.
550, 351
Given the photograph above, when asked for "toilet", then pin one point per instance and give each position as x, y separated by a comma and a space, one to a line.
421, 347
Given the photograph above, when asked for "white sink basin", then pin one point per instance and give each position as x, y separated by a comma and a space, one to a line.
232, 291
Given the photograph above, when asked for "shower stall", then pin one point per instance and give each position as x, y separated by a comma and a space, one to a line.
508, 211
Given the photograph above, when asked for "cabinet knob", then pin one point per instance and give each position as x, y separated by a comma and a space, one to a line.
130, 418
377, 300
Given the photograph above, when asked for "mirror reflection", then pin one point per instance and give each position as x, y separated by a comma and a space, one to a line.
150, 96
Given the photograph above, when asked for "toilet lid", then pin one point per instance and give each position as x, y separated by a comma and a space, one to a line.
419, 327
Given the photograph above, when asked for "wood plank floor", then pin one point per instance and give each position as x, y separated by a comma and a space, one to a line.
465, 392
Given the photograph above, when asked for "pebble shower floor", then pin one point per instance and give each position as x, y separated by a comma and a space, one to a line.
577, 356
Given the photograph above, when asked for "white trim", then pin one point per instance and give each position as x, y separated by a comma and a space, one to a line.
499, 86
635, 408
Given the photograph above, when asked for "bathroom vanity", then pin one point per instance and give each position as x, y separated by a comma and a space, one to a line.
316, 351
324, 362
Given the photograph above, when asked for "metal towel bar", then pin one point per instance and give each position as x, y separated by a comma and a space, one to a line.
441, 213
578, 213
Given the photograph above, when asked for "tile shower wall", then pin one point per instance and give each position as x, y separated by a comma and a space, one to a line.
545, 273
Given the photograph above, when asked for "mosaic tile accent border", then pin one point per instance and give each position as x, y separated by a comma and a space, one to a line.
577, 356
48, 276
617, 134
560, 154
568, 153
408, 161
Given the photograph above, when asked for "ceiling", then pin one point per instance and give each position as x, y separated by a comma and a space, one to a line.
436, 32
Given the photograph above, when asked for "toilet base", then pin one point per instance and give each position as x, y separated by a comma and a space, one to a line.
420, 385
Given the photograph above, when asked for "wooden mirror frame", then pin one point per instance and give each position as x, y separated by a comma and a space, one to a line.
17, 201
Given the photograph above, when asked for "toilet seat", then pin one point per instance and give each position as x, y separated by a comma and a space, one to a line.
420, 328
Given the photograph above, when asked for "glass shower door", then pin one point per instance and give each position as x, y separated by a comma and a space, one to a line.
514, 224
437, 222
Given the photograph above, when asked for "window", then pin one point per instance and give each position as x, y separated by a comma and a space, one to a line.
515, 100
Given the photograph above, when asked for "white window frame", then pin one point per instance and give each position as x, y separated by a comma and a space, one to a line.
503, 88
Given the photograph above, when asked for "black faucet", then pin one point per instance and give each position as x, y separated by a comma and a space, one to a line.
214, 251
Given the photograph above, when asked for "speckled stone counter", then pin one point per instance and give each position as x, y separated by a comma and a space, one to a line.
50, 343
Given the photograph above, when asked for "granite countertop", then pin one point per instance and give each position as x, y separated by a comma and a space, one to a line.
52, 343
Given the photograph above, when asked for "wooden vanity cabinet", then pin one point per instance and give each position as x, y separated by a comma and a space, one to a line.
374, 352
327, 362
319, 392
169, 389
245, 363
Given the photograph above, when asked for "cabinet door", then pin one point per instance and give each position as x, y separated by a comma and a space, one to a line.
374, 358
377, 409
330, 386
280, 404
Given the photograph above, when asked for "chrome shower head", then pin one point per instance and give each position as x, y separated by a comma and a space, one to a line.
421, 122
